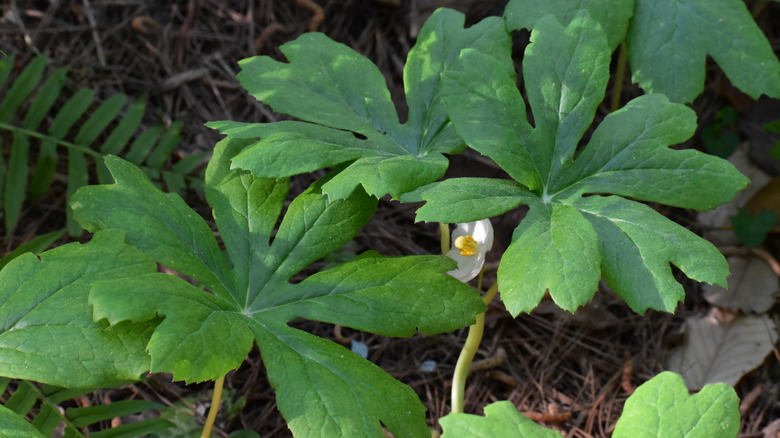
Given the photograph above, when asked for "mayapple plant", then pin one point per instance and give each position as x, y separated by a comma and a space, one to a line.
119, 317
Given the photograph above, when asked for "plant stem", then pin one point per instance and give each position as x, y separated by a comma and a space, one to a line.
216, 400
445, 237
620, 75
467, 354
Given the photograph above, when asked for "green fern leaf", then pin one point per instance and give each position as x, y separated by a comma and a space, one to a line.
42, 130
42, 405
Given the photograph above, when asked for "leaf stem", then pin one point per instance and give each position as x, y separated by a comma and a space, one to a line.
467, 354
44, 137
216, 400
620, 75
445, 237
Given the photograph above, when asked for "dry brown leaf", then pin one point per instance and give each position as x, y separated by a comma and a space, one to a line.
717, 222
751, 286
722, 352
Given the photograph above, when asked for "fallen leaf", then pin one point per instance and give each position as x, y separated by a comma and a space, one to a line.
715, 352
751, 286
717, 222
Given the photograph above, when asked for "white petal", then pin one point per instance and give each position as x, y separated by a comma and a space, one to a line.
468, 267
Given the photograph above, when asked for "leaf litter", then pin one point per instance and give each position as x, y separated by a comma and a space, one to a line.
554, 362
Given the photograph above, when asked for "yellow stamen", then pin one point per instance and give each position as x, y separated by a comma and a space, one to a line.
467, 245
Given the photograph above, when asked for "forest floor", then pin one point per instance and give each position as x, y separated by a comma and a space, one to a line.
571, 372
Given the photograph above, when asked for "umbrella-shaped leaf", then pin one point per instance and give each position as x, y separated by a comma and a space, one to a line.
613, 15
574, 233
352, 118
323, 389
48, 333
669, 41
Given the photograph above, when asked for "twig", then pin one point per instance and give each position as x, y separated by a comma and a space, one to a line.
93, 27
490, 362
768, 259
628, 371
318, 14
550, 417
749, 400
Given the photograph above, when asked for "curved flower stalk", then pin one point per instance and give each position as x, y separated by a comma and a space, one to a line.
470, 242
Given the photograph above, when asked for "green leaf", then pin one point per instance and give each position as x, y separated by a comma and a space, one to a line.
669, 40
501, 420
628, 155
495, 133
35, 245
613, 15
48, 333
637, 246
752, 230
194, 321
353, 119
187, 245
14, 426
574, 233
467, 199
323, 389
555, 249
661, 407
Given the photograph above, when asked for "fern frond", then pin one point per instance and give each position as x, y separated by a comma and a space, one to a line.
41, 123
43, 407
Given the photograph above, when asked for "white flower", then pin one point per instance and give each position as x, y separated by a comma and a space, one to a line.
470, 242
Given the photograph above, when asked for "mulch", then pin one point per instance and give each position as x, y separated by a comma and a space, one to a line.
571, 372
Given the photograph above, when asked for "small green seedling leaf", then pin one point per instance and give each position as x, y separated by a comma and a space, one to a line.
669, 41
662, 408
501, 420
48, 334
322, 388
352, 116
579, 227
752, 230
720, 137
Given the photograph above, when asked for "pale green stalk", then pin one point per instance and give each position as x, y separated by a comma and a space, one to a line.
467, 354
620, 75
445, 238
216, 399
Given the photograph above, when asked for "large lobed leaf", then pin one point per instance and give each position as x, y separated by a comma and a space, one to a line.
323, 389
669, 40
579, 228
351, 116
48, 334
613, 15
